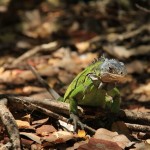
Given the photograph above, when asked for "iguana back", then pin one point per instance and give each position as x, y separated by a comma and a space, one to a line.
83, 90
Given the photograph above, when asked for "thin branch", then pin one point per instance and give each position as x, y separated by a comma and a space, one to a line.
51, 108
6, 146
10, 124
142, 8
49, 46
52, 92
46, 111
137, 127
136, 117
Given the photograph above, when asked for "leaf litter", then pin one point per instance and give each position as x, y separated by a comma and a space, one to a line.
60, 43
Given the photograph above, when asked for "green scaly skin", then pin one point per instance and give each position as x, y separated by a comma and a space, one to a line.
85, 91
95, 86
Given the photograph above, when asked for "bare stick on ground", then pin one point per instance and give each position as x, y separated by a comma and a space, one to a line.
44, 110
136, 117
126, 115
52, 92
10, 124
137, 127
44, 106
49, 46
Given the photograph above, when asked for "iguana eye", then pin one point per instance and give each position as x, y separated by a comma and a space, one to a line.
110, 69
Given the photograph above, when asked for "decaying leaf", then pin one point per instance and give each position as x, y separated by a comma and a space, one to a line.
105, 134
27, 118
147, 141
99, 144
45, 130
121, 128
23, 124
142, 92
39, 122
81, 133
32, 136
83, 46
122, 52
30, 89
58, 137
66, 125
143, 89
141, 146
136, 66
27, 142
77, 144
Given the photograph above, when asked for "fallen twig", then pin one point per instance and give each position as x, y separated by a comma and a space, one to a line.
136, 117
6, 146
142, 8
10, 124
49, 46
119, 37
52, 92
137, 127
53, 105
58, 117
44, 110
51, 108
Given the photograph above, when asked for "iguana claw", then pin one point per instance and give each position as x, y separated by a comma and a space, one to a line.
76, 121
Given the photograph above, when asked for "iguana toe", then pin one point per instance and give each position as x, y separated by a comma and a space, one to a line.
76, 121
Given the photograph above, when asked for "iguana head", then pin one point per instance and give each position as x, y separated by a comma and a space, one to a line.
112, 70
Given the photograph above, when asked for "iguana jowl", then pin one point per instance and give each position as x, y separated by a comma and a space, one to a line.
90, 87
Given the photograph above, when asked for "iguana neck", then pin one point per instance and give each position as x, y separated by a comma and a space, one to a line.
109, 86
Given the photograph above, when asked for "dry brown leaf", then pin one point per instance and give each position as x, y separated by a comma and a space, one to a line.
121, 52
32, 136
45, 130
26, 142
81, 133
23, 124
77, 144
105, 134
1, 70
30, 89
147, 141
65, 77
143, 89
39, 122
136, 67
15, 76
66, 125
121, 128
27, 118
142, 93
117, 51
83, 46
36, 146
99, 144
58, 137
141, 146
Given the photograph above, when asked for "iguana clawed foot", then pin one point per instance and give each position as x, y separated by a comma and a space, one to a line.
76, 121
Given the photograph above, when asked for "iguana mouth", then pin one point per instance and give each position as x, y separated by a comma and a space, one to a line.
110, 77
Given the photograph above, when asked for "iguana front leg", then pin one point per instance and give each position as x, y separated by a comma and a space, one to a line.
113, 105
74, 115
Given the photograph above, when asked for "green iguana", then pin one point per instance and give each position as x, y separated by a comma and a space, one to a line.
94, 86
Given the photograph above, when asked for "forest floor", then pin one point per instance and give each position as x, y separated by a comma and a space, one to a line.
60, 39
